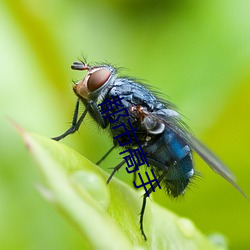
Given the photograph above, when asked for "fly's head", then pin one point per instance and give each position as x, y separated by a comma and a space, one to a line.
93, 84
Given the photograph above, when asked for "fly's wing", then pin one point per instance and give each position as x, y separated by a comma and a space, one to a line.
212, 160
175, 124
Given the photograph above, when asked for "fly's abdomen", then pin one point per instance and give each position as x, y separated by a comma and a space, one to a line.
174, 161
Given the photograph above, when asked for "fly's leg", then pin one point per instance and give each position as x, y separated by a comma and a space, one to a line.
97, 114
134, 177
115, 170
75, 124
105, 155
144, 201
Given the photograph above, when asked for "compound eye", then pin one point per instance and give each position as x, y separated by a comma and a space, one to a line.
97, 79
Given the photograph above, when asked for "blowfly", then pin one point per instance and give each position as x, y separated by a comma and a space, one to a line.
164, 138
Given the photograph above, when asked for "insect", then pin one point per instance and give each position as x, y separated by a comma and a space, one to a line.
164, 138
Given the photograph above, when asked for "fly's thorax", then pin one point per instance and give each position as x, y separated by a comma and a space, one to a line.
95, 84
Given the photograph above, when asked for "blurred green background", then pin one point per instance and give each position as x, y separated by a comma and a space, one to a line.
196, 53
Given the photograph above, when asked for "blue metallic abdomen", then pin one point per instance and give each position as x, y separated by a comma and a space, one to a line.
171, 157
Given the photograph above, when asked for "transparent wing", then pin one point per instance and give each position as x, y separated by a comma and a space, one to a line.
212, 160
175, 124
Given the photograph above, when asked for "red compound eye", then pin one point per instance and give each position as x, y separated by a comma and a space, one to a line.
97, 79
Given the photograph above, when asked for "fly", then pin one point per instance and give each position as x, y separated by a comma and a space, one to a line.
164, 137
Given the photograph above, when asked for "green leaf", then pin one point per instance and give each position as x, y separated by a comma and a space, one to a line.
106, 216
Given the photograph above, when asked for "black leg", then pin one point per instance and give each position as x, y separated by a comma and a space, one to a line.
134, 178
115, 170
105, 155
98, 115
75, 124
144, 201
74, 121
